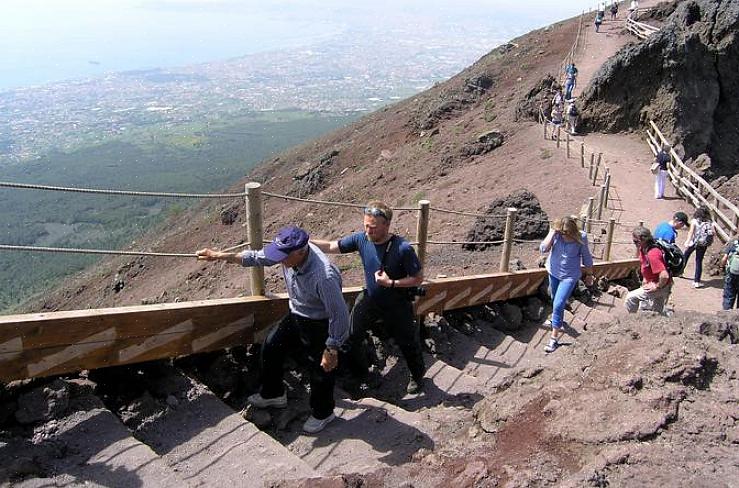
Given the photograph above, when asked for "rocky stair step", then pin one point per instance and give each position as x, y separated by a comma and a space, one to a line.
367, 434
443, 383
488, 365
211, 445
101, 451
602, 310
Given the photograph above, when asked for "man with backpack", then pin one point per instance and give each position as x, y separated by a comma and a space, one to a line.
731, 283
656, 279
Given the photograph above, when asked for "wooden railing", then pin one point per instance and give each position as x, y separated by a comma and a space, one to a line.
695, 189
45, 344
640, 29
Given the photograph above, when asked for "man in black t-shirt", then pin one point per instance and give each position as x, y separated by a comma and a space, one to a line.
391, 270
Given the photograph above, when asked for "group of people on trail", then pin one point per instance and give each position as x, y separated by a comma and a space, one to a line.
319, 324
564, 110
600, 12
661, 259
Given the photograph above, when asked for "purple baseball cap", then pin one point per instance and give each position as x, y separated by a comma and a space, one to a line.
288, 239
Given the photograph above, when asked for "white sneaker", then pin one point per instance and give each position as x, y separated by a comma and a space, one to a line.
314, 425
552, 346
260, 402
697, 284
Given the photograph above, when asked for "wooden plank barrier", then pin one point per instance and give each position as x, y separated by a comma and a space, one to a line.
640, 29
695, 189
46, 344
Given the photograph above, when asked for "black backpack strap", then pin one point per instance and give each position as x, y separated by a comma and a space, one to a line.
387, 251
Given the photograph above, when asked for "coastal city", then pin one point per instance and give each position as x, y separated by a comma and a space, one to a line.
362, 75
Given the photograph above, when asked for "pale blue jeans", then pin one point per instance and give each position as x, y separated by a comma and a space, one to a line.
560, 290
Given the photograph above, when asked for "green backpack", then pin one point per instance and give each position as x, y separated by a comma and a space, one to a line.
732, 264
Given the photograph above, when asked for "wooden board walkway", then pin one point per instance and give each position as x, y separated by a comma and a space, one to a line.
45, 344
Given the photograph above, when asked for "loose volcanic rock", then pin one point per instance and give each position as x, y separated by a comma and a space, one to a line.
531, 222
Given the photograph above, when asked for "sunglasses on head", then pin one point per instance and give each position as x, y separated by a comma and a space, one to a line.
375, 212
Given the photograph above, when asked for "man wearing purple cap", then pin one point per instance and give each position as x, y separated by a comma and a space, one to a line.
318, 322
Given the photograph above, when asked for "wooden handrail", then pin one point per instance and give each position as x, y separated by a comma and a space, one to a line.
45, 344
693, 187
695, 175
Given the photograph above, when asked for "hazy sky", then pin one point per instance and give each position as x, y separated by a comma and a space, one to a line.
48, 40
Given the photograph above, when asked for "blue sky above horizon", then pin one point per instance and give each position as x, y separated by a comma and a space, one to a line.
45, 41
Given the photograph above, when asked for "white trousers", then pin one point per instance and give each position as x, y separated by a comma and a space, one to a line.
659, 184
640, 299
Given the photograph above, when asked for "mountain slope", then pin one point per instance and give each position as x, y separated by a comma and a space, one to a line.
422, 147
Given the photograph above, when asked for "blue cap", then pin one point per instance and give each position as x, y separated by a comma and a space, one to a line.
288, 239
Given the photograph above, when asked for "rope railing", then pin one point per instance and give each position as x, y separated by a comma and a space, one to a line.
254, 223
99, 191
72, 250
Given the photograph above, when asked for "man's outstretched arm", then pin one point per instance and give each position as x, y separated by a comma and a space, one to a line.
329, 247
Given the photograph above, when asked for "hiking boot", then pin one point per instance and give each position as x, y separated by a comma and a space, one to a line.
552, 346
314, 425
414, 387
259, 401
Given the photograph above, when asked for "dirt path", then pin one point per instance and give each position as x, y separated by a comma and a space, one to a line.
629, 158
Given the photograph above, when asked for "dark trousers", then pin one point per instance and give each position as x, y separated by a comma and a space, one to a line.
399, 323
731, 291
700, 252
296, 335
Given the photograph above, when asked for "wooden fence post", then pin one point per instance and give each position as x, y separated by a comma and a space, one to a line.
422, 229
256, 232
589, 212
545, 128
609, 239
601, 201
595, 172
507, 240
558, 130
608, 187
582, 154
590, 168
567, 140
